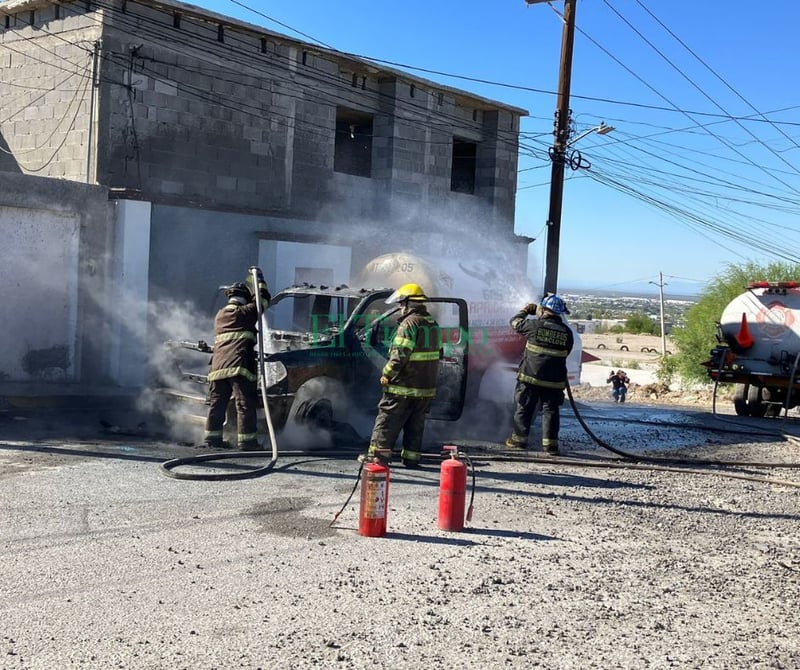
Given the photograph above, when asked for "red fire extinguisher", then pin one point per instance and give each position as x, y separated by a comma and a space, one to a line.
452, 491
374, 500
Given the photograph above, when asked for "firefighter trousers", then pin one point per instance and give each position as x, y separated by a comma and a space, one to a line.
527, 398
245, 395
398, 413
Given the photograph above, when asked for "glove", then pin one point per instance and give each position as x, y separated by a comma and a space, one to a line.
384, 381
530, 308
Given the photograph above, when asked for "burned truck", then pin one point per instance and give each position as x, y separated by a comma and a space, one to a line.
324, 349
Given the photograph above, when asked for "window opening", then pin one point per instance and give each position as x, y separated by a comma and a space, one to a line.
220, 33
353, 144
462, 176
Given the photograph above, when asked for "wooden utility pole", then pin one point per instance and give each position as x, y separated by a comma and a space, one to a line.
559, 149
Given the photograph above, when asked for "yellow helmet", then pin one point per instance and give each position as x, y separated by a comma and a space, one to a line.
407, 292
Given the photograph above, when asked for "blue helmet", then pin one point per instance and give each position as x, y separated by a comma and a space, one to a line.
554, 304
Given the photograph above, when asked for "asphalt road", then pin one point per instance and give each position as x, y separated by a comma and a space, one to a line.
570, 563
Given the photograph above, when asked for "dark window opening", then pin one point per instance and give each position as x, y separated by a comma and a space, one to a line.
57, 12
353, 146
220, 33
8, 21
263, 45
363, 83
32, 17
474, 114
462, 177
176, 20
440, 98
412, 90
354, 83
305, 58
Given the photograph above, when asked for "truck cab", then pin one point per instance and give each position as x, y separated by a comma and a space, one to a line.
324, 349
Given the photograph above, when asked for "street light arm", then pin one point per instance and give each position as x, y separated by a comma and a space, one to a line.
602, 129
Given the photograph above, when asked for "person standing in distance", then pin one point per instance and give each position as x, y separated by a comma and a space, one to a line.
408, 378
542, 373
233, 365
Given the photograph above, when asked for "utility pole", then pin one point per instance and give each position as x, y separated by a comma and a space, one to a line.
559, 149
661, 286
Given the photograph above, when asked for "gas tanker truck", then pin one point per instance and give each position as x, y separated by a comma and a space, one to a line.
759, 348
493, 294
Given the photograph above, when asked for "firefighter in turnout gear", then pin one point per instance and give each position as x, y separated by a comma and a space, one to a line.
233, 366
408, 378
542, 374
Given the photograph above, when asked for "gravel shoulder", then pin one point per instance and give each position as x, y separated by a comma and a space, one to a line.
584, 562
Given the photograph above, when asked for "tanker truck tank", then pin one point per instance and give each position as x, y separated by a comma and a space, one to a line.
494, 294
759, 348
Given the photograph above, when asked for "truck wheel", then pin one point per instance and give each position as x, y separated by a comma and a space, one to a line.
624, 347
756, 402
601, 346
740, 404
646, 350
316, 414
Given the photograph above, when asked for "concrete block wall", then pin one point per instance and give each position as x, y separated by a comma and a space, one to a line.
46, 66
196, 108
56, 274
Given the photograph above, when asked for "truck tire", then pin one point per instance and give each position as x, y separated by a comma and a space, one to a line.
740, 404
755, 401
601, 346
624, 347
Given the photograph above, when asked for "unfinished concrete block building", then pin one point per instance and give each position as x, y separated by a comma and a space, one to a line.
223, 145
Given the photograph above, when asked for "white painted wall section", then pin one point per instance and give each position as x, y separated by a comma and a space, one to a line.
39, 310
131, 276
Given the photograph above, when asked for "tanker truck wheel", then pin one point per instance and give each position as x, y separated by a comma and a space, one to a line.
740, 405
755, 401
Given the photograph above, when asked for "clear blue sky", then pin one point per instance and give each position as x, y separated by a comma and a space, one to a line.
684, 185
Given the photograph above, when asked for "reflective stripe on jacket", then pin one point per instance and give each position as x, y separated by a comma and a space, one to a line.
234, 342
550, 340
413, 365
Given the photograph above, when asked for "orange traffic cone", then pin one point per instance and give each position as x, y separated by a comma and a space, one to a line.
743, 338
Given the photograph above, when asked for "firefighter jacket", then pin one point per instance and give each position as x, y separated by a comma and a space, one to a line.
413, 365
550, 340
234, 342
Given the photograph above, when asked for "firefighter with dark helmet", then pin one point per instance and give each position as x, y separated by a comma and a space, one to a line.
408, 378
233, 365
542, 373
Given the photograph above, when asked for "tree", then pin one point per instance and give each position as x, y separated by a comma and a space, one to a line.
697, 338
640, 323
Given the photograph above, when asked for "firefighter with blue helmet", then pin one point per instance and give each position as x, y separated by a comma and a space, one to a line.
233, 365
409, 377
542, 373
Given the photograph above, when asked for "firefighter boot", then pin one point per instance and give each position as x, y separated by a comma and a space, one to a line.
517, 442
376, 455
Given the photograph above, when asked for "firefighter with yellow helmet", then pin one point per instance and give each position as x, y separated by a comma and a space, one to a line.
408, 378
